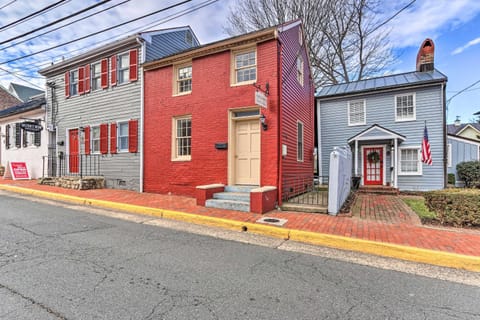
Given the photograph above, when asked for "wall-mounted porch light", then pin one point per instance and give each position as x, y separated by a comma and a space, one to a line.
263, 122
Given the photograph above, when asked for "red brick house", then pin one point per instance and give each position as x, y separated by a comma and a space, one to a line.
237, 112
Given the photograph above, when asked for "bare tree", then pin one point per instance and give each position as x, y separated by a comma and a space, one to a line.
343, 37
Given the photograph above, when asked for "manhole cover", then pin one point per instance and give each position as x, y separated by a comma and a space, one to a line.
274, 221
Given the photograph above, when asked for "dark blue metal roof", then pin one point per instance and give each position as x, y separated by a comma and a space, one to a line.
382, 83
24, 107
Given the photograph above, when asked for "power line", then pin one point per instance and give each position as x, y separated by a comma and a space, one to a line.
32, 15
16, 76
95, 33
56, 21
391, 18
65, 25
461, 91
6, 5
168, 18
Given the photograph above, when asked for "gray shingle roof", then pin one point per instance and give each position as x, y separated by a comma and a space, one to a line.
454, 129
24, 107
382, 83
24, 92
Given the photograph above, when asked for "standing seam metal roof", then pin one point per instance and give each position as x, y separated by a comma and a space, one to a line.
385, 82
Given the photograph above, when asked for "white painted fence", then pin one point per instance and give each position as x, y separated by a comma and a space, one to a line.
340, 178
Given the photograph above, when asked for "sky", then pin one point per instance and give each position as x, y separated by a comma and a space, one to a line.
454, 26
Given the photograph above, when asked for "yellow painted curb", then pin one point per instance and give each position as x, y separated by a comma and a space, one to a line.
439, 258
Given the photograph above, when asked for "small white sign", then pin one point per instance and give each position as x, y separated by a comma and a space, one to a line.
260, 99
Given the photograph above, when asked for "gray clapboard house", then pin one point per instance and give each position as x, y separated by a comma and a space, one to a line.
383, 121
95, 107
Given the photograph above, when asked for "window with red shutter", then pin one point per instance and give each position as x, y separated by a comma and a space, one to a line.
87, 139
133, 135
133, 65
87, 78
67, 84
104, 74
103, 138
113, 137
113, 70
81, 80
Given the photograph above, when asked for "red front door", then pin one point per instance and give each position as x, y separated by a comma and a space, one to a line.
73, 146
373, 166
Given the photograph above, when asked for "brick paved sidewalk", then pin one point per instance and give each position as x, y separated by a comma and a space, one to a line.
378, 218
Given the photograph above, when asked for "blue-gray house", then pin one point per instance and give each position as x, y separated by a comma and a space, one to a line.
383, 120
463, 144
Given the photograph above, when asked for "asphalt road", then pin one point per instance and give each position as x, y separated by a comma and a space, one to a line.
61, 263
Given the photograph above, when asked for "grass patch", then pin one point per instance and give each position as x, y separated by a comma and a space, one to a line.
418, 205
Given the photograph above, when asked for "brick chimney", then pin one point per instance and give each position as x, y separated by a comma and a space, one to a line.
425, 56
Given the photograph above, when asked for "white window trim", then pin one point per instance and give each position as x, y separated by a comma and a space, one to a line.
449, 155
233, 73
99, 139
92, 78
420, 164
350, 124
303, 142
127, 53
71, 83
414, 98
174, 156
177, 67
118, 136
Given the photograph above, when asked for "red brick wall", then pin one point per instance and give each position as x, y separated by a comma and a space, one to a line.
208, 104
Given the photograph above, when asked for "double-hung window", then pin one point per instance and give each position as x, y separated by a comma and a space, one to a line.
300, 68
95, 139
356, 113
410, 163
183, 79
96, 71
73, 82
299, 141
245, 66
182, 138
122, 136
405, 107
123, 68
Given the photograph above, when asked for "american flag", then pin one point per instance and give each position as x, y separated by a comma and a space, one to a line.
426, 154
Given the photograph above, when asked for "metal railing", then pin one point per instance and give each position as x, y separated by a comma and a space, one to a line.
308, 190
71, 165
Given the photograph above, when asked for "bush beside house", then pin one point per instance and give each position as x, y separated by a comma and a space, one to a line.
470, 173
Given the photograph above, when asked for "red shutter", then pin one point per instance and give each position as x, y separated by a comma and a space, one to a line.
67, 84
81, 79
133, 135
104, 73
104, 138
87, 78
87, 140
113, 137
113, 70
133, 72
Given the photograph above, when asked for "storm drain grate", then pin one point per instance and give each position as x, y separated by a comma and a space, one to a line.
275, 221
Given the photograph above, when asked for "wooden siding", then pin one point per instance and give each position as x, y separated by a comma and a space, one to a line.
115, 103
461, 151
165, 44
297, 104
380, 109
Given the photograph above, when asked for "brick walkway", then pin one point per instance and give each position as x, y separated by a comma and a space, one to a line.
382, 218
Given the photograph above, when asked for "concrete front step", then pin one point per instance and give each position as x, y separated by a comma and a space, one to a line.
238, 188
379, 190
236, 196
228, 204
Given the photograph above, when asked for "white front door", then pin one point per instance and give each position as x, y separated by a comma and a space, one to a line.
247, 152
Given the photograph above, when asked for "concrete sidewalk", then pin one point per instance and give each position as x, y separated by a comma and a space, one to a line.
380, 224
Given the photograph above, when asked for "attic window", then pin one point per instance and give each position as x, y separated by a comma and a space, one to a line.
189, 38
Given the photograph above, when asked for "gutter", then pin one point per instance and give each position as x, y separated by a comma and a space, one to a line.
143, 47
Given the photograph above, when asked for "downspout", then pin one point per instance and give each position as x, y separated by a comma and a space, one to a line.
279, 130
445, 176
319, 142
142, 112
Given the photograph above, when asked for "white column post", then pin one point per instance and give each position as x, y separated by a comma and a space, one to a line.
395, 166
356, 157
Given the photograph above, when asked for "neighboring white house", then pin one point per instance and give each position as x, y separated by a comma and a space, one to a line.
20, 145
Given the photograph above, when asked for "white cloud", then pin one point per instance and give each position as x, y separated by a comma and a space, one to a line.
428, 18
465, 47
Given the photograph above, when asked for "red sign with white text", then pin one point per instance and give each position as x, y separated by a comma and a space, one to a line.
19, 170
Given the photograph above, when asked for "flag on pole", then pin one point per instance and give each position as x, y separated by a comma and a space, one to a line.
426, 154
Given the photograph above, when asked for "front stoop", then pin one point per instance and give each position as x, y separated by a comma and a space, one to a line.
233, 198
379, 190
